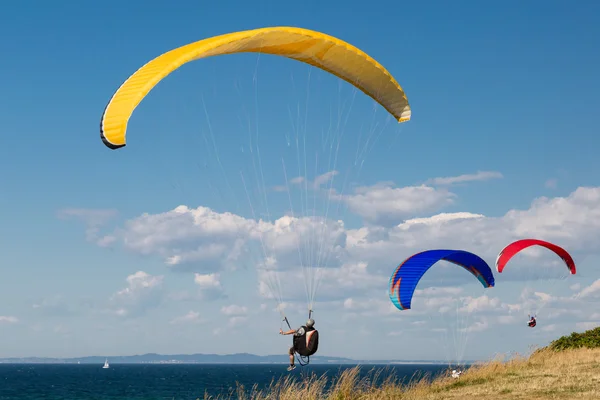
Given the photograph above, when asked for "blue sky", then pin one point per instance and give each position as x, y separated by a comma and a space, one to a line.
507, 91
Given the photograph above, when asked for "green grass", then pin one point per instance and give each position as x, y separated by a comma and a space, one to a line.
588, 339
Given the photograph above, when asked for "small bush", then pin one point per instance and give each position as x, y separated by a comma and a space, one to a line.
588, 339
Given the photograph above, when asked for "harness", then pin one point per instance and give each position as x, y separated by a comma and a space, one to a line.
532, 321
302, 360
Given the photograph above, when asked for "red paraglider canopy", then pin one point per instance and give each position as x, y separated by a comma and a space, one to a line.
509, 251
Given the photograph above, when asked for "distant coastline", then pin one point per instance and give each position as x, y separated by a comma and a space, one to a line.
240, 358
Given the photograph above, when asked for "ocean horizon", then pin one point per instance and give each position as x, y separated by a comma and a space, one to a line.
201, 358
128, 381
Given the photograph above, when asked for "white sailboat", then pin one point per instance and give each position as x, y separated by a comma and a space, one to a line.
105, 364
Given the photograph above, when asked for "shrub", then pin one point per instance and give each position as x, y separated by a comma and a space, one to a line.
588, 339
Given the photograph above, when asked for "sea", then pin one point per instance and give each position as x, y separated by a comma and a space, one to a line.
168, 381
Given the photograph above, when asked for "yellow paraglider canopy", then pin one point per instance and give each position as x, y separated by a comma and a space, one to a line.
317, 49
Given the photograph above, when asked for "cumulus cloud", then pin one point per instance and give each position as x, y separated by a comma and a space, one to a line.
207, 281
233, 309
478, 326
386, 205
572, 222
478, 176
237, 314
478, 304
290, 241
207, 242
592, 291
566, 310
143, 292
184, 237
361, 259
209, 286
192, 317
372, 306
333, 284
204, 241
507, 319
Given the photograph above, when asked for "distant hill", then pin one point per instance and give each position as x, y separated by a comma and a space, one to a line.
239, 358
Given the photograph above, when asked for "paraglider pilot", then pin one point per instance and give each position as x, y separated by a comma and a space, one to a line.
305, 342
532, 322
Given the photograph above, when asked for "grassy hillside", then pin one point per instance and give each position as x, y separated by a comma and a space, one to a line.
569, 368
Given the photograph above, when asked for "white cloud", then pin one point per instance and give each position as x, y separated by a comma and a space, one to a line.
209, 286
478, 304
143, 292
478, 326
439, 291
507, 319
573, 222
591, 291
439, 218
234, 310
204, 241
572, 219
290, 241
6, 319
544, 297
387, 206
208, 241
206, 281
324, 178
193, 239
355, 281
478, 176
380, 306
566, 220
332, 283
192, 317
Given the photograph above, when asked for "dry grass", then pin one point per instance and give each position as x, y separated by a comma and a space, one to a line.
572, 374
